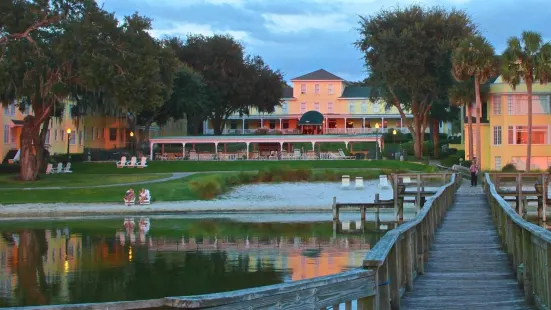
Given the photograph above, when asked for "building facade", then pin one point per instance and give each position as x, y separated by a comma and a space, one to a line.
346, 109
96, 132
505, 135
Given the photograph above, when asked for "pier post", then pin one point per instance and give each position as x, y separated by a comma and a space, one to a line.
377, 213
335, 209
540, 195
418, 197
362, 212
400, 202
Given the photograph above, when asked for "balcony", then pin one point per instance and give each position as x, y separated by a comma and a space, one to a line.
328, 131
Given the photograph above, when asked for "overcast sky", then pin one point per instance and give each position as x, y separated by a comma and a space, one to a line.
300, 36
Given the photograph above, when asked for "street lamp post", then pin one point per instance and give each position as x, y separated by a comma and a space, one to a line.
68, 142
132, 141
377, 145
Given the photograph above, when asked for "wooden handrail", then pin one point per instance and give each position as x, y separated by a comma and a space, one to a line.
528, 245
400, 255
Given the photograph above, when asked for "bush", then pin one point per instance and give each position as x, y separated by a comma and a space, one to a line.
450, 161
75, 158
509, 168
9, 168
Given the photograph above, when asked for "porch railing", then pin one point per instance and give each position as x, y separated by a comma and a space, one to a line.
327, 131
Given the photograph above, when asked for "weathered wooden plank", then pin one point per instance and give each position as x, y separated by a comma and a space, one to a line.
468, 268
311, 294
117, 305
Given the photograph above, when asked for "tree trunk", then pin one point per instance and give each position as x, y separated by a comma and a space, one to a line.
529, 142
470, 131
478, 129
31, 153
417, 138
218, 125
435, 138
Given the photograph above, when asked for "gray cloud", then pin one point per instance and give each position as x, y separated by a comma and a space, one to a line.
302, 36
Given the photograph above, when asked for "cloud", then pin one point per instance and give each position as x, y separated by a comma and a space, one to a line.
289, 23
184, 29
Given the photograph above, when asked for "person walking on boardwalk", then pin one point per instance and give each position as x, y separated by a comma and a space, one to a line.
474, 173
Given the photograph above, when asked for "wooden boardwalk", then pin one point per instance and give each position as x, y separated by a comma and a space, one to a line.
467, 266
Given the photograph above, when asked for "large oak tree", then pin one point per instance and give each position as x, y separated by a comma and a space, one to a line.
235, 82
407, 54
87, 56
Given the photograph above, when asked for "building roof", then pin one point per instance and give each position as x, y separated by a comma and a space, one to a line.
319, 75
287, 91
17, 122
356, 92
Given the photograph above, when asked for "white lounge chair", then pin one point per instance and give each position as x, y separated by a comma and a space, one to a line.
122, 162
132, 162
343, 156
345, 181
67, 168
345, 225
142, 163
58, 169
129, 202
383, 182
147, 199
49, 169
359, 183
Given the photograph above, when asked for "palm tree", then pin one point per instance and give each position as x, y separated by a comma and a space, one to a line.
529, 59
462, 95
475, 57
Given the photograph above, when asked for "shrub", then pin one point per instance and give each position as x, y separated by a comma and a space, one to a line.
9, 168
450, 161
509, 168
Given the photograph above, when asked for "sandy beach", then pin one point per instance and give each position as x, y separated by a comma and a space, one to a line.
283, 197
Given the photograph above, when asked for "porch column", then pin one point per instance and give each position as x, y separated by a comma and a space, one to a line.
243, 131
345, 129
184, 149
401, 125
247, 153
363, 122
383, 124
346, 144
216, 148
261, 123
281, 146
313, 146
281, 127
151, 144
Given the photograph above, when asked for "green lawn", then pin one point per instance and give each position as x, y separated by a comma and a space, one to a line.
77, 179
204, 166
175, 190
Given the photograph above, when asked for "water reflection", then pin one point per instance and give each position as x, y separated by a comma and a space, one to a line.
140, 258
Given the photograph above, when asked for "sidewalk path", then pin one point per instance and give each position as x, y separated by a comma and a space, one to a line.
175, 176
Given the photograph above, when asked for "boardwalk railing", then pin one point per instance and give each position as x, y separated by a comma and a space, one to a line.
528, 246
388, 269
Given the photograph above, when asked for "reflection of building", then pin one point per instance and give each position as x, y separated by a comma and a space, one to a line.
302, 258
8, 264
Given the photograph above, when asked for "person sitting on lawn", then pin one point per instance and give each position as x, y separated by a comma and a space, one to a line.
129, 197
144, 196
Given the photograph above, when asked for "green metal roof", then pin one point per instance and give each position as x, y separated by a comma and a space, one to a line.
356, 92
311, 118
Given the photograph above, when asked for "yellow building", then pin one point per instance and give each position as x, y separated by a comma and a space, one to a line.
346, 109
96, 132
505, 134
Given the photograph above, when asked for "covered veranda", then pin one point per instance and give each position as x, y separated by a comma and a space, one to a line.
276, 145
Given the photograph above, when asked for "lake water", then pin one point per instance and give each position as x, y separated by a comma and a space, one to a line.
114, 259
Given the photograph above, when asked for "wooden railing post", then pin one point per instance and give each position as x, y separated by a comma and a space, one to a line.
393, 268
420, 248
383, 288
528, 265
548, 274
410, 256
335, 209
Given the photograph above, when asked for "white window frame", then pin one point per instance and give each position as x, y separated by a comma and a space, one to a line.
376, 107
12, 109
317, 106
6, 134
47, 136
330, 89
316, 89
6, 110
497, 135
496, 107
330, 107
498, 165
351, 107
303, 107
285, 107
364, 107
303, 89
